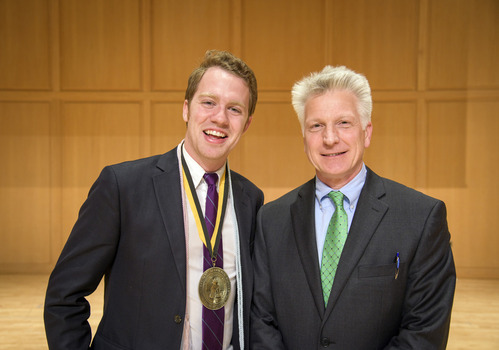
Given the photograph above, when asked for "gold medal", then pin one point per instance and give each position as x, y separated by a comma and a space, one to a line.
214, 288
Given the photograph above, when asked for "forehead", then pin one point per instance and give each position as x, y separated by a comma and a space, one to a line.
221, 84
332, 103
217, 76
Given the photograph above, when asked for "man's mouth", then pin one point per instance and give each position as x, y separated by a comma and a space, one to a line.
215, 133
333, 154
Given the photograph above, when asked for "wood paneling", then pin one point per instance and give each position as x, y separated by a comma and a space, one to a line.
447, 144
473, 218
283, 40
25, 183
100, 44
86, 83
378, 40
94, 135
483, 45
25, 45
181, 32
463, 44
274, 138
167, 126
394, 142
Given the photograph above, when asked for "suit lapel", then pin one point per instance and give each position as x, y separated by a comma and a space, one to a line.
369, 213
243, 212
303, 222
241, 203
168, 194
243, 218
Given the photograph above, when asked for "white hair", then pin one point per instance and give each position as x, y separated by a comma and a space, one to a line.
331, 78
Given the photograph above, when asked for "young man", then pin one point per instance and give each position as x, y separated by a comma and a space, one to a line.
145, 229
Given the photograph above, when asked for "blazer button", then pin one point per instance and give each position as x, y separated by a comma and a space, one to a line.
178, 319
325, 342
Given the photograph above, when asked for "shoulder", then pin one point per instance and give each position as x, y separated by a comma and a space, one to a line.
136, 164
304, 193
148, 165
398, 195
241, 183
134, 172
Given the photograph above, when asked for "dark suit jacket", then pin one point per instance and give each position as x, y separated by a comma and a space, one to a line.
131, 231
368, 308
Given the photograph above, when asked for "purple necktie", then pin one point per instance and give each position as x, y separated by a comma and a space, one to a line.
213, 320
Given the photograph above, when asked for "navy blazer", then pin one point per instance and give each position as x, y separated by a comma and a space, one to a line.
368, 307
130, 231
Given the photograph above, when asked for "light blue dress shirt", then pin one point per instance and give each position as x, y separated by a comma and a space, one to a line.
324, 207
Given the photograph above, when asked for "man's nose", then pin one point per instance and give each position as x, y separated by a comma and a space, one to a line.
220, 116
330, 135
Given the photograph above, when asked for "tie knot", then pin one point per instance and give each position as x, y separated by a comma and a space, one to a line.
211, 178
337, 198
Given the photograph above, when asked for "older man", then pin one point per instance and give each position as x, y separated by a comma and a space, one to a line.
349, 260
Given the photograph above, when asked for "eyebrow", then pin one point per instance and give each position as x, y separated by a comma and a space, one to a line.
215, 97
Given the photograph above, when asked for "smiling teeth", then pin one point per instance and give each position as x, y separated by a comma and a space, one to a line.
214, 133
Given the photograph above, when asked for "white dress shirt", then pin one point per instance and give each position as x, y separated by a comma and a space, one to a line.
195, 259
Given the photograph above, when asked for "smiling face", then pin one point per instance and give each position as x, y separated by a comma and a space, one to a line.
216, 117
333, 137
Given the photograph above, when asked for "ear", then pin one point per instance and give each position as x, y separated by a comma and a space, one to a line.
185, 111
248, 122
368, 134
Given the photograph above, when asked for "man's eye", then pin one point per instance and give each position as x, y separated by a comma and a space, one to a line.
314, 127
235, 110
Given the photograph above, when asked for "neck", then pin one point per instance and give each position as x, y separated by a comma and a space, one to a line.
207, 165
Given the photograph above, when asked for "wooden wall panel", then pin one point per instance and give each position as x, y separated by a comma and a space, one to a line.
24, 66
479, 234
167, 126
394, 141
482, 154
378, 39
94, 135
182, 31
446, 156
283, 40
483, 48
25, 183
274, 138
472, 210
100, 43
463, 44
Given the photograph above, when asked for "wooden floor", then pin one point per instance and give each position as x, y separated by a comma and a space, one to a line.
475, 317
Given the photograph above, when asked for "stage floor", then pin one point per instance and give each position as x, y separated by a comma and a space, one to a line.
474, 325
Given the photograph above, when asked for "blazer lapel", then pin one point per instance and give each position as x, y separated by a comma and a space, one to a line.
241, 203
303, 222
243, 212
168, 194
369, 213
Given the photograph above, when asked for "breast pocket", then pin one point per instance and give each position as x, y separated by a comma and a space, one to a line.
378, 271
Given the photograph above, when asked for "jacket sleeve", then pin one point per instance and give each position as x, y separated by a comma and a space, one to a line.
264, 332
87, 255
430, 288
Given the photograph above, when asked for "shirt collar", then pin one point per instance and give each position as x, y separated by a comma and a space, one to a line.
197, 172
351, 190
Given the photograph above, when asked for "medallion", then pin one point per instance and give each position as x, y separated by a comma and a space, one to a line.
214, 288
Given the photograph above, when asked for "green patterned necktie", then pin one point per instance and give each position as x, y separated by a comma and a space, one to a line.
333, 245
